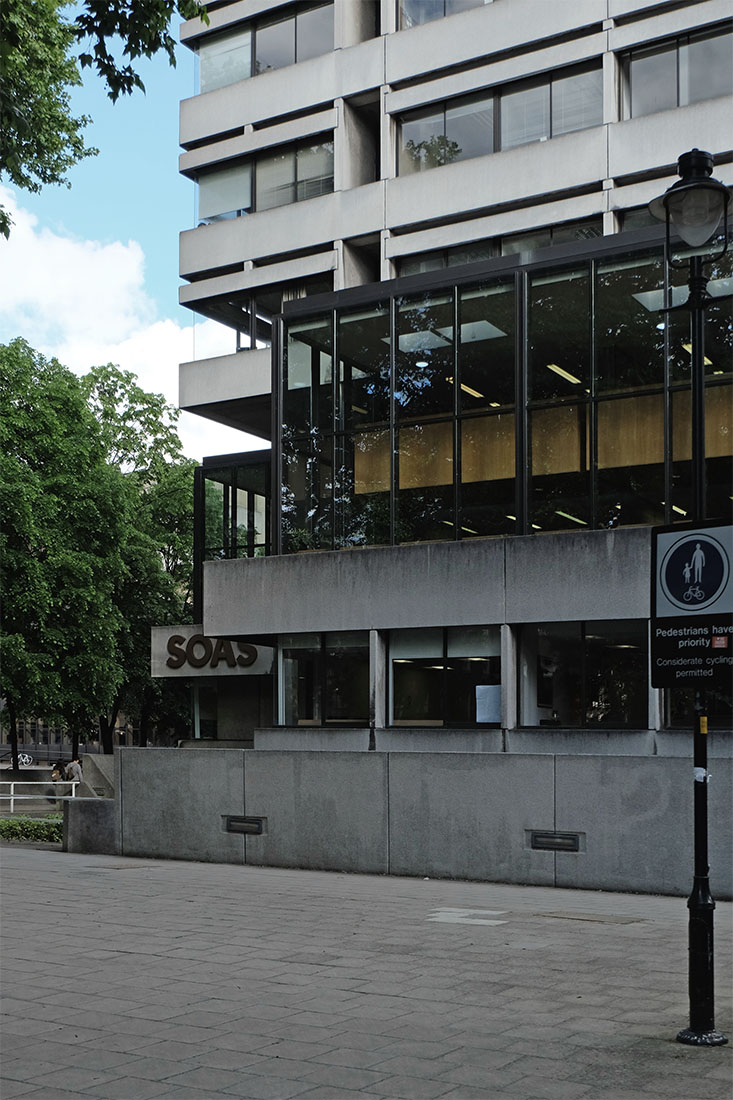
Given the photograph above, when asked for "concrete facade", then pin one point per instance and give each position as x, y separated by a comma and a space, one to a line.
441, 815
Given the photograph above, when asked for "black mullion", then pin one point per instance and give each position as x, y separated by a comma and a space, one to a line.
277, 359
233, 513
457, 450
592, 419
521, 416
394, 470
444, 680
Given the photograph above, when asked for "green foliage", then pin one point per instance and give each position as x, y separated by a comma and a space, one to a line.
96, 502
143, 28
433, 152
139, 435
48, 831
39, 137
61, 508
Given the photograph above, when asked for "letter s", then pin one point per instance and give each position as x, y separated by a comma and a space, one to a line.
177, 652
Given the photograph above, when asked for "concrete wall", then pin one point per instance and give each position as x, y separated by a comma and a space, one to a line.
172, 804
545, 578
440, 814
91, 825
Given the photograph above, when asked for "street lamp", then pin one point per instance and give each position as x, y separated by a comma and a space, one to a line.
695, 206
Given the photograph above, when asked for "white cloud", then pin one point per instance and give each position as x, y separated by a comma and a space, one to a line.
84, 302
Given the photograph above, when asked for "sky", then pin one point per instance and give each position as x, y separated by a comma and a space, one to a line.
90, 273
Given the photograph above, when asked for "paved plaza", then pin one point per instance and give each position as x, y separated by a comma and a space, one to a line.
135, 979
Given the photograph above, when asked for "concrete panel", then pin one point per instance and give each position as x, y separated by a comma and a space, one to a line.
702, 126
243, 374
324, 810
91, 826
272, 232
312, 740
454, 815
636, 814
568, 162
172, 803
472, 34
654, 24
507, 69
395, 739
252, 141
284, 91
570, 576
448, 583
581, 742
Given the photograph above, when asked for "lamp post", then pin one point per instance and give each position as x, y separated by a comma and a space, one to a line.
695, 206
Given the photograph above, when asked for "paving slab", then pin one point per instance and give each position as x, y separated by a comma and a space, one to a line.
144, 980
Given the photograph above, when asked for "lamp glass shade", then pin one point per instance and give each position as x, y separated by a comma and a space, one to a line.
695, 212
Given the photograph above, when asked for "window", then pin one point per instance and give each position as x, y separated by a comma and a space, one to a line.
306, 34
225, 59
684, 71
585, 674
544, 396
412, 13
472, 126
445, 677
293, 173
325, 679
225, 193
230, 56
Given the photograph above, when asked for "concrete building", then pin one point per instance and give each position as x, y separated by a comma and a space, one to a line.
426, 224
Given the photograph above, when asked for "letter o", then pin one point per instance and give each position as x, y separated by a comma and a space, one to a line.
198, 640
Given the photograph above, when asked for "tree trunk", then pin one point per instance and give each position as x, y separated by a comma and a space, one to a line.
105, 735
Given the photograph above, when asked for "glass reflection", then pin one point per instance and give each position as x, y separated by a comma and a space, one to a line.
488, 490
486, 351
559, 335
425, 483
307, 494
630, 466
629, 329
308, 376
362, 498
363, 349
559, 497
424, 368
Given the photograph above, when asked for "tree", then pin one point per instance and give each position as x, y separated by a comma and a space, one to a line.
140, 438
62, 510
40, 139
433, 152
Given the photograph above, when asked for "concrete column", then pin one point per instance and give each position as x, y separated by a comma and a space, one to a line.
377, 679
388, 158
508, 677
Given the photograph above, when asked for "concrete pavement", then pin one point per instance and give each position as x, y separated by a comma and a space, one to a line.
137, 979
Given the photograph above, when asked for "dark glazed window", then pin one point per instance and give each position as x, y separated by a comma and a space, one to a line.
307, 495
424, 383
325, 678
559, 337
629, 329
308, 374
446, 677
362, 509
585, 674
425, 483
363, 348
415, 12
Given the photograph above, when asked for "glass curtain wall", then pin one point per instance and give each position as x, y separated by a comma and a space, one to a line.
441, 422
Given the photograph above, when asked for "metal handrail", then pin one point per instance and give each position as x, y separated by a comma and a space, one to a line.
39, 794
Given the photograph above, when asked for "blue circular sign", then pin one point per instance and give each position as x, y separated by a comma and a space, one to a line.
694, 572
